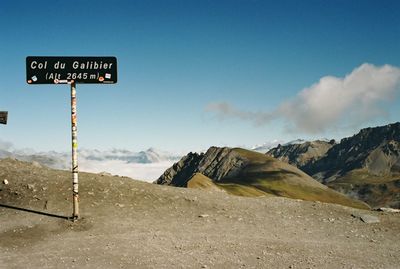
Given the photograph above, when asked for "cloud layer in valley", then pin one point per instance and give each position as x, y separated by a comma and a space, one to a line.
332, 102
144, 165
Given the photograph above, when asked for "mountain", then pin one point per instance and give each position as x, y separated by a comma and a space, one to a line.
151, 155
375, 150
301, 153
365, 166
248, 173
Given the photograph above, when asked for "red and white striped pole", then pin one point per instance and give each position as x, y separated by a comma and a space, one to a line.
74, 132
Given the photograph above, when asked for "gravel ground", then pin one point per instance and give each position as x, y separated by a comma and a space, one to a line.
132, 224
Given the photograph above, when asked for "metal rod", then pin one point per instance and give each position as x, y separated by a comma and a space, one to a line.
74, 132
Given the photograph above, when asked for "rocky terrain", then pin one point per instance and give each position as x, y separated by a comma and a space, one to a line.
365, 166
301, 154
248, 173
377, 150
131, 224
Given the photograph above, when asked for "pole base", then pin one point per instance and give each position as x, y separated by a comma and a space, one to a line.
74, 218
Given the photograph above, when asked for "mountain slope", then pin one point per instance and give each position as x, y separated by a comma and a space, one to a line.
365, 166
247, 173
377, 150
301, 154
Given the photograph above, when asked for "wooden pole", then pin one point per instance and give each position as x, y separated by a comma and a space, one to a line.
74, 132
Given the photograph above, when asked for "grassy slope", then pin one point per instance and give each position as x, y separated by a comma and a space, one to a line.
268, 176
242, 190
362, 176
376, 190
200, 181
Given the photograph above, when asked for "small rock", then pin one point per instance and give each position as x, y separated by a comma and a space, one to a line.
204, 216
204, 266
389, 210
90, 193
31, 187
370, 219
191, 199
367, 218
36, 164
120, 205
5, 182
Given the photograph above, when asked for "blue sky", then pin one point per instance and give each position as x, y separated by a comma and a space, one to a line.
193, 74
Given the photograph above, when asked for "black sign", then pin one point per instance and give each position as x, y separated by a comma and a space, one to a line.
59, 70
3, 117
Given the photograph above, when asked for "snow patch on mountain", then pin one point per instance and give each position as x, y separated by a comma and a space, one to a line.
265, 147
295, 142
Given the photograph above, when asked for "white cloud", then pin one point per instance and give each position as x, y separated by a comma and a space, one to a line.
140, 171
332, 102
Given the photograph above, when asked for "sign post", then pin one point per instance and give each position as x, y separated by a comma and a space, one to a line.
3, 117
71, 70
74, 136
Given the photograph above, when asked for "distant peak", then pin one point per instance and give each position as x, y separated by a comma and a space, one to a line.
263, 148
152, 149
295, 142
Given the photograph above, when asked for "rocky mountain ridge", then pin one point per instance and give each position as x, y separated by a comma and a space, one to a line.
216, 163
377, 150
365, 166
301, 154
248, 173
